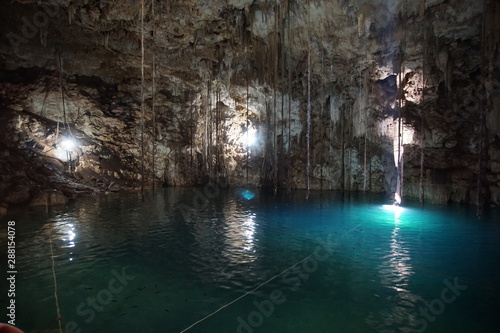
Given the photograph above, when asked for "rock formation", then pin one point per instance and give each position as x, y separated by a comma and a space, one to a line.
366, 95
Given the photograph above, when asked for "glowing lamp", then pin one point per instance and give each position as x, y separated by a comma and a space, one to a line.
68, 144
250, 137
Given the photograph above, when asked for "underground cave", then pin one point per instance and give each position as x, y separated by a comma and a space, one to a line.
250, 165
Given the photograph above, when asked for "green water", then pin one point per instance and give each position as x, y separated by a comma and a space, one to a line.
225, 262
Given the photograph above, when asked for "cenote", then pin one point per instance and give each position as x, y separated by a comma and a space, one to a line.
182, 261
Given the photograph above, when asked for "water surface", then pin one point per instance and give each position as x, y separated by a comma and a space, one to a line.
227, 261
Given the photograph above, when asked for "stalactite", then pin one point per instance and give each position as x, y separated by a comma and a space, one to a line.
349, 169
221, 167
191, 133
210, 128
153, 152
482, 135
349, 144
282, 89
220, 141
403, 99
217, 141
247, 119
71, 13
274, 59
400, 178
398, 194
365, 154
275, 146
365, 178
402, 164
289, 89
322, 110
332, 135
421, 7
153, 110
61, 86
370, 175
342, 148
267, 166
422, 115
142, 100
205, 138
57, 128
308, 136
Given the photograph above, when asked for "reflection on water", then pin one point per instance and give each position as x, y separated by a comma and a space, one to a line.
249, 231
190, 257
398, 259
395, 273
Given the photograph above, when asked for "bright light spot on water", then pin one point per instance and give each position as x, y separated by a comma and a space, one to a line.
70, 236
396, 209
249, 232
393, 208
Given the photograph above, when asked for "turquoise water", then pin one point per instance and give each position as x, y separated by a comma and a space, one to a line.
219, 262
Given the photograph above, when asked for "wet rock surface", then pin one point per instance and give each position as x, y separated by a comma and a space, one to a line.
334, 76
49, 198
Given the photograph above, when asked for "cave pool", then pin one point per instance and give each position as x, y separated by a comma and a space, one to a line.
243, 261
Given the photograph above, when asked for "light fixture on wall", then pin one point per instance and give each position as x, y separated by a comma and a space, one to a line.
249, 138
65, 148
68, 144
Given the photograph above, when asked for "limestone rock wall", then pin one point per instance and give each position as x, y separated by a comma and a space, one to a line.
334, 92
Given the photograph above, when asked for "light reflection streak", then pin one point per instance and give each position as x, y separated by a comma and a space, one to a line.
67, 234
395, 273
71, 235
248, 229
399, 258
240, 237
